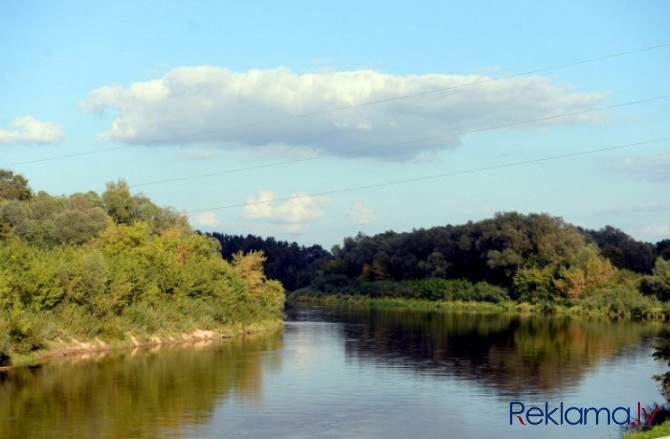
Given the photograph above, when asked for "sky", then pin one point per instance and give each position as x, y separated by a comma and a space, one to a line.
313, 121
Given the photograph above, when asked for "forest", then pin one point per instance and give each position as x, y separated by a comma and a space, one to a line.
536, 258
110, 266
293, 265
92, 270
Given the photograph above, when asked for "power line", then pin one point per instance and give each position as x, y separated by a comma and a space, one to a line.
412, 95
66, 156
364, 104
405, 142
432, 177
410, 180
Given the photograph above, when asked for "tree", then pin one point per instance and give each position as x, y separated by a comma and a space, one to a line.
532, 283
624, 251
14, 186
250, 267
293, 265
663, 249
5, 230
78, 226
587, 270
658, 284
120, 205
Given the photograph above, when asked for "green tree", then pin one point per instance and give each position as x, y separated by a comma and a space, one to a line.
120, 204
533, 283
658, 284
78, 226
250, 267
587, 270
14, 186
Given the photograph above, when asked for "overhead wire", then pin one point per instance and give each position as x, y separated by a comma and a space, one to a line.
405, 142
353, 106
413, 180
435, 176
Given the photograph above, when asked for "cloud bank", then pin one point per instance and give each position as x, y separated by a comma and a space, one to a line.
657, 229
292, 214
29, 130
262, 108
205, 219
361, 215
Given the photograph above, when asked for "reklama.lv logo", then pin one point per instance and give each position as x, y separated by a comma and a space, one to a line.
538, 415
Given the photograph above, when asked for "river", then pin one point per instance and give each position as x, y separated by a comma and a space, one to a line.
336, 372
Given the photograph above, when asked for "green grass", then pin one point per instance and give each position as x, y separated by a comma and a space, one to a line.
418, 304
660, 430
128, 335
507, 306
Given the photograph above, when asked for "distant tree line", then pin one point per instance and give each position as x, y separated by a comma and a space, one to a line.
625, 252
534, 258
295, 266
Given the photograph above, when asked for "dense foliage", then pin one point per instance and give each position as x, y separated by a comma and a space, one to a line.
89, 266
533, 258
293, 265
624, 251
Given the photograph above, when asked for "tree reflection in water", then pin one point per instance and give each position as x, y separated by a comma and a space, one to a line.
511, 352
133, 394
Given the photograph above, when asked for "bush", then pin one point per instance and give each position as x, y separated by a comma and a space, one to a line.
428, 289
623, 301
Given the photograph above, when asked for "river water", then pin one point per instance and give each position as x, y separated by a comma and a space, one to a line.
347, 373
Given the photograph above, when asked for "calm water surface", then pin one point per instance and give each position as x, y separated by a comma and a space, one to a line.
344, 373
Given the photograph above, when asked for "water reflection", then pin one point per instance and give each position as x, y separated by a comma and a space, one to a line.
363, 373
514, 354
133, 394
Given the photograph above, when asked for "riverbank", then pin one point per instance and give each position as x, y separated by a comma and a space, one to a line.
661, 313
74, 347
358, 354
91, 272
661, 431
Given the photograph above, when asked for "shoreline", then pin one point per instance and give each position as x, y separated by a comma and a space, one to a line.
511, 307
60, 349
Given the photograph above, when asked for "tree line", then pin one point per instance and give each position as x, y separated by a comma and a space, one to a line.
89, 267
534, 258
295, 266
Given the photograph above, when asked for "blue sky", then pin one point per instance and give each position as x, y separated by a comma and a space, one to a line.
259, 113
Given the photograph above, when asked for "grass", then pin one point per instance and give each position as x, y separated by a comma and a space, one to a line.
59, 347
506, 306
658, 431
422, 304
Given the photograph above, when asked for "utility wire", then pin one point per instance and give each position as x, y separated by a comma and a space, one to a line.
412, 95
66, 156
408, 180
432, 177
348, 107
406, 142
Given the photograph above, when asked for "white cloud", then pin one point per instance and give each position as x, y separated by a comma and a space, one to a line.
205, 219
30, 130
294, 227
294, 212
213, 105
651, 167
361, 215
657, 230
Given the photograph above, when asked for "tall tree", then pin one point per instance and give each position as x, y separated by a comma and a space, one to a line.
14, 186
120, 204
624, 251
